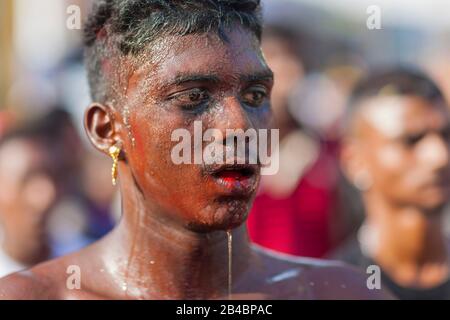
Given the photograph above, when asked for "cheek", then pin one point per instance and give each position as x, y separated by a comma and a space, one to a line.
151, 132
152, 153
389, 165
396, 169
263, 119
148, 152
9, 187
390, 158
39, 195
152, 159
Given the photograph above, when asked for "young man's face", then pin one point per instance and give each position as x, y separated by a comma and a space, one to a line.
404, 144
225, 85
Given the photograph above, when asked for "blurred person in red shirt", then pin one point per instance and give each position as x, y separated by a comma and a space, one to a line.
294, 209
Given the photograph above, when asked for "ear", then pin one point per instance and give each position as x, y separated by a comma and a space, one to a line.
100, 127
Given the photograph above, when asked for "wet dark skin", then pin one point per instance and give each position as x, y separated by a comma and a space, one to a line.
171, 242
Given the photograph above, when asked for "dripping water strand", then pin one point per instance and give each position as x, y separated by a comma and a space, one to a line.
230, 262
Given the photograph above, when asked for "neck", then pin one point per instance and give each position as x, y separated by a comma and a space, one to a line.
165, 260
410, 243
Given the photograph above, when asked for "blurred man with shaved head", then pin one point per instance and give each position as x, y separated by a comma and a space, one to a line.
396, 152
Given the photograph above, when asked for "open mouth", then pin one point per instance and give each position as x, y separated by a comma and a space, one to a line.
233, 174
236, 178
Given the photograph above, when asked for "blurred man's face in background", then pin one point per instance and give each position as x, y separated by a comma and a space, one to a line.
28, 191
403, 143
288, 71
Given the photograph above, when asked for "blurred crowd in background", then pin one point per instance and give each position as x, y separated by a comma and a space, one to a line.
55, 190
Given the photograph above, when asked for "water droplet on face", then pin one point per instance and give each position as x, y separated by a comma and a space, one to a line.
311, 284
343, 286
152, 262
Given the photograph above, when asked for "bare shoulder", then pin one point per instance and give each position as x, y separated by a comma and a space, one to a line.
38, 283
324, 279
50, 280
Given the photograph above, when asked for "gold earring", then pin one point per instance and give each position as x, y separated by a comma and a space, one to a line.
114, 152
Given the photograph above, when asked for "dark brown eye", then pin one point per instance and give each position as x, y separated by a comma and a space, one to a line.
197, 96
413, 139
255, 97
191, 98
446, 134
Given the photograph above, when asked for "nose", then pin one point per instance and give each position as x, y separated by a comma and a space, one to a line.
435, 152
235, 130
232, 116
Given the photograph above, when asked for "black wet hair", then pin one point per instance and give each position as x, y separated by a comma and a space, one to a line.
399, 81
127, 27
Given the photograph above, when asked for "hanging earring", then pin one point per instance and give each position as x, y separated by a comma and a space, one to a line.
114, 152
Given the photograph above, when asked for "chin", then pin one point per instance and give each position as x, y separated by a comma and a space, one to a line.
222, 217
433, 204
434, 199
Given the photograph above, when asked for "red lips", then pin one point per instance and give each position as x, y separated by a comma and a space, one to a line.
233, 175
236, 179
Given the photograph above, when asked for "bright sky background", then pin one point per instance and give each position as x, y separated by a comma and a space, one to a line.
432, 14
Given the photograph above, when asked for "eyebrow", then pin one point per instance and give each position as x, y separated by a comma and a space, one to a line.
424, 131
185, 78
266, 75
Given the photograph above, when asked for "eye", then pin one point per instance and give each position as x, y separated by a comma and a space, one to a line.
446, 134
255, 96
413, 139
191, 98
